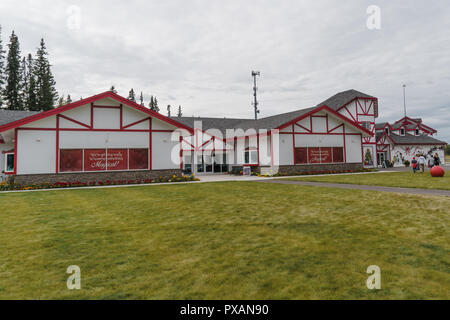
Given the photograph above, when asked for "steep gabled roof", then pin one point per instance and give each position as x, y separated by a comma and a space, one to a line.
415, 140
342, 98
108, 94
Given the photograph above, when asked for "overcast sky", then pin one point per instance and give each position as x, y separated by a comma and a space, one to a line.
200, 53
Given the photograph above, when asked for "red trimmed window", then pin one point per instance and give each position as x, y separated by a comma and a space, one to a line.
138, 159
71, 160
301, 155
87, 160
314, 155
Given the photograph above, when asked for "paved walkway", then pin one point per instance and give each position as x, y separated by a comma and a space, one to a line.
430, 192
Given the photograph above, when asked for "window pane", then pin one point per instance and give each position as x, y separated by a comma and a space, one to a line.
301, 155
246, 157
325, 155
338, 154
138, 159
254, 155
10, 162
70, 160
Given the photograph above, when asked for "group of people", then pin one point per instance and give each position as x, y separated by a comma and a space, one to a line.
419, 163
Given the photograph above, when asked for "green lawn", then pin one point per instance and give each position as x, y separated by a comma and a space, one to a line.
231, 240
391, 179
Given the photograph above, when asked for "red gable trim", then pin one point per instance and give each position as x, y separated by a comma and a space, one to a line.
107, 94
328, 109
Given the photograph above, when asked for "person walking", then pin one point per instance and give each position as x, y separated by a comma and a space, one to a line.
430, 159
414, 164
437, 160
421, 162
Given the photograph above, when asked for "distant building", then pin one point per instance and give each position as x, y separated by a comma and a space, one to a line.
405, 139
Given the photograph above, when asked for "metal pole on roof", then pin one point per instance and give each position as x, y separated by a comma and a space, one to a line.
404, 98
255, 89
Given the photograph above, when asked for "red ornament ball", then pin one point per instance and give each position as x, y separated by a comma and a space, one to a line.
437, 171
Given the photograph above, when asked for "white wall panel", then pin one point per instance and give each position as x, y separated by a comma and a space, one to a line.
36, 151
103, 139
165, 152
353, 148
106, 118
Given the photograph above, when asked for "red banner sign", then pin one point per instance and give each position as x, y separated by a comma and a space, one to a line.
117, 159
94, 159
314, 155
325, 155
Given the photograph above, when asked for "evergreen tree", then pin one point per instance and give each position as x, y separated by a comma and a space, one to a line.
61, 101
131, 95
13, 75
113, 89
168, 110
30, 97
2, 68
45, 83
141, 98
153, 105
69, 99
180, 114
23, 83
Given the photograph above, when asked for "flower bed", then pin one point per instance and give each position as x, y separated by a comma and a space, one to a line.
11, 185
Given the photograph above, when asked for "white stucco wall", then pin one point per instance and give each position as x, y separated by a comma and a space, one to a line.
36, 151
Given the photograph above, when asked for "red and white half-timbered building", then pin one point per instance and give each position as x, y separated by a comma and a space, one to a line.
405, 139
109, 137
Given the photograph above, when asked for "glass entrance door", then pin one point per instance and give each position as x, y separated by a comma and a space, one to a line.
211, 163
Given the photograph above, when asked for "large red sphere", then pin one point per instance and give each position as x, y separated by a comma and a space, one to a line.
437, 171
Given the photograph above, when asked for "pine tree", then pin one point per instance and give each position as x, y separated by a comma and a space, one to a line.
131, 95
153, 105
2, 68
69, 99
30, 98
113, 89
61, 101
24, 84
141, 98
45, 83
168, 110
180, 114
13, 75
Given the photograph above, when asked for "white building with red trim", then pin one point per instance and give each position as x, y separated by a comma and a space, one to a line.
405, 139
109, 137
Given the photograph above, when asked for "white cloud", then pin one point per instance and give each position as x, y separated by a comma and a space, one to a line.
200, 53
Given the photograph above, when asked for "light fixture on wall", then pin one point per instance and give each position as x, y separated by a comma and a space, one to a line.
38, 140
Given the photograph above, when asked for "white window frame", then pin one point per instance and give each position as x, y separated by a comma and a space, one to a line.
417, 132
402, 132
250, 156
6, 162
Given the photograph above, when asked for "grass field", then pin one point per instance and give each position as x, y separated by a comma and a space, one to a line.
391, 179
230, 240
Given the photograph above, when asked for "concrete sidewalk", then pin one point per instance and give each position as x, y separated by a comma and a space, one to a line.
429, 192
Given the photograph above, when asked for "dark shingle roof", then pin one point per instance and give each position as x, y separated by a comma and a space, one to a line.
334, 102
410, 139
222, 124
341, 98
7, 116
